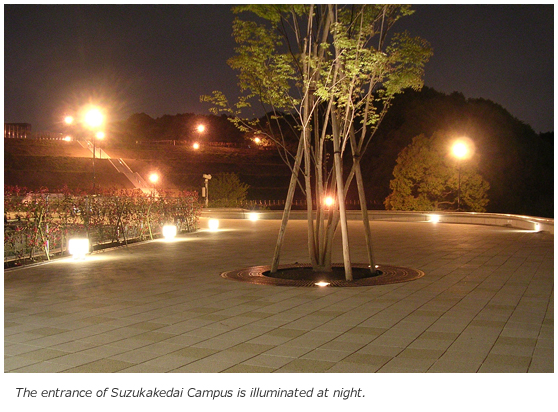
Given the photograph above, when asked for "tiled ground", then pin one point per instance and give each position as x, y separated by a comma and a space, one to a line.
485, 305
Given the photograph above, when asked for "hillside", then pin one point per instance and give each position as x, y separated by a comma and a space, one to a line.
46, 163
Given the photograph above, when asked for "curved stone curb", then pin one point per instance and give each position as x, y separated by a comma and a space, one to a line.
389, 275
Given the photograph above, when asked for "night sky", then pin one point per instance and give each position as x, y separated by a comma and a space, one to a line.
160, 59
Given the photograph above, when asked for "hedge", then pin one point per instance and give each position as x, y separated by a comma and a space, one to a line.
38, 225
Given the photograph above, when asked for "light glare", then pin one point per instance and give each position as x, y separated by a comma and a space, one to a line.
460, 150
169, 232
78, 247
213, 224
322, 284
94, 118
434, 218
253, 216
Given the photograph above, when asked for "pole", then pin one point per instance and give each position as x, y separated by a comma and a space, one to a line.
458, 185
206, 192
93, 164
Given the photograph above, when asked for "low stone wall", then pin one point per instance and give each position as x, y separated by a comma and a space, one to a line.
492, 219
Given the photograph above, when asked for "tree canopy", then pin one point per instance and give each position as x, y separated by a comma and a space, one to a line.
427, 177
335, 71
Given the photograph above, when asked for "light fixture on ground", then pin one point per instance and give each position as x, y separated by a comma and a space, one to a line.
78, 247
253, 216
322, 283
213, 224
434, 218
169, 232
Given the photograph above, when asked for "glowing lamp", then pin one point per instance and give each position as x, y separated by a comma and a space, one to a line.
253, 216
78, 248
68, 139
68, 119
153, 177
169, 232
460, 150
329, 201
94, 118
213, 224
196, 146
434, 218
322, 284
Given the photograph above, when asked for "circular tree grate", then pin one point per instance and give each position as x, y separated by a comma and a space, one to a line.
301, 275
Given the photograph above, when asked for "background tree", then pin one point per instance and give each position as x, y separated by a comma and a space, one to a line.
331, 69
426, 178
226, 190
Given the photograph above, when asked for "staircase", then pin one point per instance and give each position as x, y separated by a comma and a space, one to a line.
121, 166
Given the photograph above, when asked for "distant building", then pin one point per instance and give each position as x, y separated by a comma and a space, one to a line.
17, 130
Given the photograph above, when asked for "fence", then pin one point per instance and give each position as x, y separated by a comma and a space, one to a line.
297, 204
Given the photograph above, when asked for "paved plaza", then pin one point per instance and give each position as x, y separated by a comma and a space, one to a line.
485, 304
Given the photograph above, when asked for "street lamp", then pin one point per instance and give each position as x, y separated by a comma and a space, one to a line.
460, 150
153, 178
94, 118
200, 129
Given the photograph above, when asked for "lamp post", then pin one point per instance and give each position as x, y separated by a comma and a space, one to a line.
207, 178
200, 129
459, 150
94, 119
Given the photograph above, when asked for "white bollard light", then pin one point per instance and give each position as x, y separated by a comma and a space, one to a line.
213, 224
253, 216
169, 232
78, 248
434, 218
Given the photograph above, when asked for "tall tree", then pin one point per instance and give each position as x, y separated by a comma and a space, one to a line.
335, 70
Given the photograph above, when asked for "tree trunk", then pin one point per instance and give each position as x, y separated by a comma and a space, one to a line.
287, 209
363, 205
341, 198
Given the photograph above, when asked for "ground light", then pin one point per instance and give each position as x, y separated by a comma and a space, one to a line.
213, 224
78, 248
322, 284
169, 232
253, 216
434, 218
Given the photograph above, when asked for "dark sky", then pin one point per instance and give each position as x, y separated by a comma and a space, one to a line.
160, 59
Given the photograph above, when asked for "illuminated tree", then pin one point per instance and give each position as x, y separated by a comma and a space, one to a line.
330, 69
227, 190
426, 178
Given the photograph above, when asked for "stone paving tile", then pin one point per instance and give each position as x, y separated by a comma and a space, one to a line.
100, 366
306, 366
485, 305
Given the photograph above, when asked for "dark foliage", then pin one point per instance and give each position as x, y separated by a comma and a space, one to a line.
517, 162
